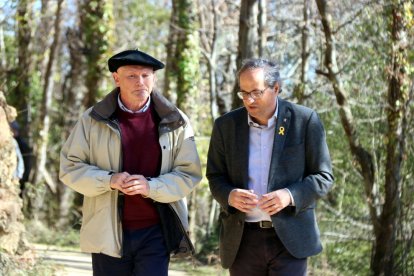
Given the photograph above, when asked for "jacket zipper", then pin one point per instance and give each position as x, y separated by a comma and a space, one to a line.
113, 124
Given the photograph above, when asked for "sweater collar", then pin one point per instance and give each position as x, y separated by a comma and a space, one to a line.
168, 113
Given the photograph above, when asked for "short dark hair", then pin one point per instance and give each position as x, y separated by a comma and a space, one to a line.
270, 69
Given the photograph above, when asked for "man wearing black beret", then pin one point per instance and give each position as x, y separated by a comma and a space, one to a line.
133, 157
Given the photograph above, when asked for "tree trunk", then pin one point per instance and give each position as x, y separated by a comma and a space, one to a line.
383, 262
247, 39
193, 216
211, 64
42, 36
300, 90
20, 98
11, 217
44, 125
170, 79
384, 224
262, 18
94, 17
188, 56
225, 103
71, 103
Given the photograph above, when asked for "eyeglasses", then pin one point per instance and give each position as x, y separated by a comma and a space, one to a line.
255, 94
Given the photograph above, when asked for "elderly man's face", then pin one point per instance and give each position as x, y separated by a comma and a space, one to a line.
136, 83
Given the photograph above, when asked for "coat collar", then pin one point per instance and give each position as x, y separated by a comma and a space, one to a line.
169, 114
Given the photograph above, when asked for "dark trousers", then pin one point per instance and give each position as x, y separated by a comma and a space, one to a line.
262, 253
144, 253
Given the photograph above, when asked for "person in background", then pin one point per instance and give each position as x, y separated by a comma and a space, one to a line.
25, 154
133, 157
268, 163
18, 173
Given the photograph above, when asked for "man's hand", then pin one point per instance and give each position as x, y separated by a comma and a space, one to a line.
275, 201
135, 184
117, 180
130, 184
243, 200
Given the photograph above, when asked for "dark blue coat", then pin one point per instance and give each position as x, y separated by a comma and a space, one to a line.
300, 162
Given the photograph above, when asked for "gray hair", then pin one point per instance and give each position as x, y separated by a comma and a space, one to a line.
270, 70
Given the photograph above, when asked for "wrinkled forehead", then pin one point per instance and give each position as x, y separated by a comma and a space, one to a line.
135, 69
251, 77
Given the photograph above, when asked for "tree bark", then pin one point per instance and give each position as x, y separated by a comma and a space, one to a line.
247, 48
188, 56
383, 262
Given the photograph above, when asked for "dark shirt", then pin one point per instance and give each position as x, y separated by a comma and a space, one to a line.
141, 154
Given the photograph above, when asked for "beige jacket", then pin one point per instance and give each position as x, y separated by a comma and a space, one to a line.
93, 151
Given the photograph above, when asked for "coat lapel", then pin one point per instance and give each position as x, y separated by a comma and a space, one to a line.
281, 131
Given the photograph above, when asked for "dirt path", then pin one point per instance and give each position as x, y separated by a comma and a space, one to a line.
72, 262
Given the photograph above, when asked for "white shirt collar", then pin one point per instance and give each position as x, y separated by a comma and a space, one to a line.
124, 108
270, 122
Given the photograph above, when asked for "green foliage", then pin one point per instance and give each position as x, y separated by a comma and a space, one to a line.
142, 24
188, 57
96, 23
41, 233
349, 258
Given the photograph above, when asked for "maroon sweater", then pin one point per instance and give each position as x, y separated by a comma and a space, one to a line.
141, 154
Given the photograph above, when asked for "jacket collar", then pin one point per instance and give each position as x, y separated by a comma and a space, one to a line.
169, 114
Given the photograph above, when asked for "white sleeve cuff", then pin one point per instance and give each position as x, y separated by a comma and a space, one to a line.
292, 201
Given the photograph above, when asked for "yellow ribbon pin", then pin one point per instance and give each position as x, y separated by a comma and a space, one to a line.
281, 130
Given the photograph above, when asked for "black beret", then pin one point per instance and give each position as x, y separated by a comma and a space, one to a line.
133, 57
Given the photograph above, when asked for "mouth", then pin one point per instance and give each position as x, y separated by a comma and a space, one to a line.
140, 91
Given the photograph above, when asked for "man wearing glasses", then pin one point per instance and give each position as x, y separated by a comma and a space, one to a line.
268, 163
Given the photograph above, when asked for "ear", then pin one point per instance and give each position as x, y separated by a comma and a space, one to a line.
116, 78
276, 88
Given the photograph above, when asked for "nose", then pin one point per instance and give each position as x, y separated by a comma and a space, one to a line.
249, 99
140, 80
